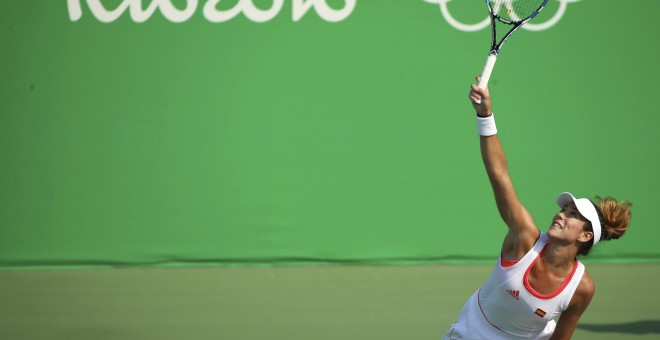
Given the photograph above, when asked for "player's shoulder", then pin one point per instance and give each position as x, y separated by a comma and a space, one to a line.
586, 288
583, 293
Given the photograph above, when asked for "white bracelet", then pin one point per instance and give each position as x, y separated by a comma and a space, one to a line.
486, 125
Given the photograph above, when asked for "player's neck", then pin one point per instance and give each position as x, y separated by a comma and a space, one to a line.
559, 256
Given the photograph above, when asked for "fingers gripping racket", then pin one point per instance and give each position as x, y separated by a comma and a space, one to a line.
514, 13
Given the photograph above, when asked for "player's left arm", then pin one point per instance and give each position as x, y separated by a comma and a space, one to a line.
579, 303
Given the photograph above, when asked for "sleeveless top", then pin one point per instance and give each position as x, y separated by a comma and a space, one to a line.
507, 307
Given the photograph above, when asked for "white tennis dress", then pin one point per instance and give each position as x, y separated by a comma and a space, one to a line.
507, 307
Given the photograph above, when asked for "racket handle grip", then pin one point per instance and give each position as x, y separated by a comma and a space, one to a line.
485, 73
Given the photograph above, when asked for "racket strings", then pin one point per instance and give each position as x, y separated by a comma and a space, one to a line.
515, 10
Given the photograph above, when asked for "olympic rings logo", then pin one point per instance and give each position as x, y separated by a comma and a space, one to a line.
444, 9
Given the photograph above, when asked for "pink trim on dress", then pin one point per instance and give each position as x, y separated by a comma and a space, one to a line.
507, 263
531, 290
484, 314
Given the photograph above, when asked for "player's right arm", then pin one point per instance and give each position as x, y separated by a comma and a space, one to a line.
522, 231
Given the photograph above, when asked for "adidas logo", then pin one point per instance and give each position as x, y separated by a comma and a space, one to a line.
514, 293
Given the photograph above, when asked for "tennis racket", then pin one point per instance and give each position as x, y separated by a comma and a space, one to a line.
513, 13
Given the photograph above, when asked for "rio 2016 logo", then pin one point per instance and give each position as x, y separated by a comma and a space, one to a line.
210, 10
444, 9
140, 13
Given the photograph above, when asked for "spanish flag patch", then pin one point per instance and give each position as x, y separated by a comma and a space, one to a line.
540, 312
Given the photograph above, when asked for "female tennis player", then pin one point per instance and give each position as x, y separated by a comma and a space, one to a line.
538, 278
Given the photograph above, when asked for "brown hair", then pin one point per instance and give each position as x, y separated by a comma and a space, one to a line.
614, 221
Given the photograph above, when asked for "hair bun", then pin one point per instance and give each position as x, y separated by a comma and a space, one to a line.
616, 217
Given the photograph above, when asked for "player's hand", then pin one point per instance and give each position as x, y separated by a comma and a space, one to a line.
484, 109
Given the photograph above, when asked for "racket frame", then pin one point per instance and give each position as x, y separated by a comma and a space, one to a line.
495, 46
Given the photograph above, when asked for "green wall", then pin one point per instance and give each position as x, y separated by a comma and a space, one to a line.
325, 135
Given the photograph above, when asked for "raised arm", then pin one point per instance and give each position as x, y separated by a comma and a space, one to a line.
522, 230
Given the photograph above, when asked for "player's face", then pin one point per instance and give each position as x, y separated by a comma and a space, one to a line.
568, 224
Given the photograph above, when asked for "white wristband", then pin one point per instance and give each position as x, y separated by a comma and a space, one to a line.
486, 125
